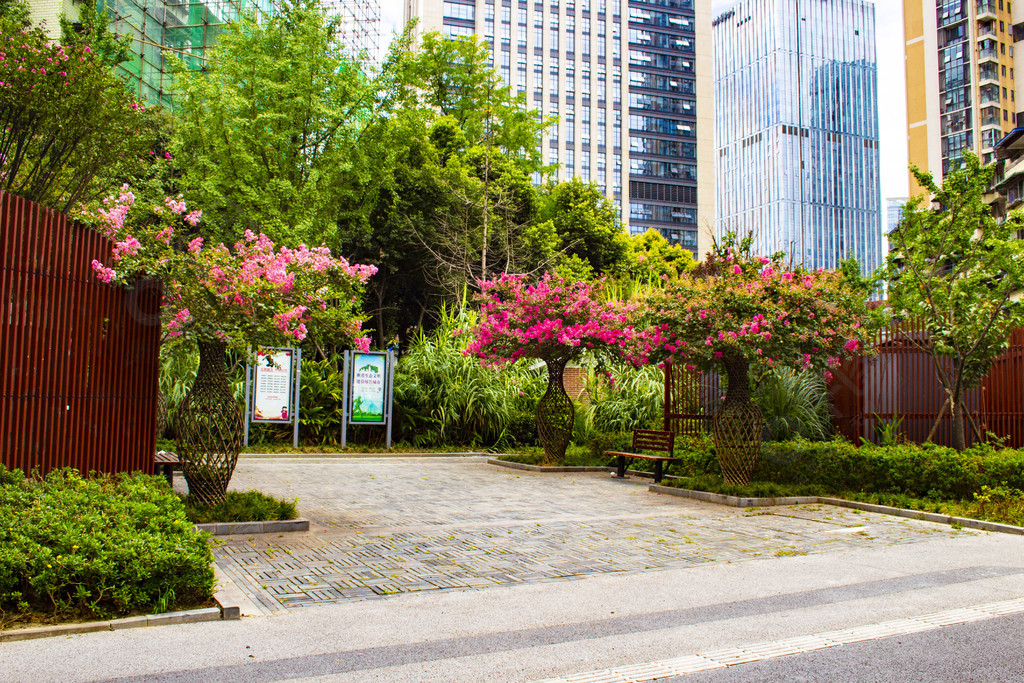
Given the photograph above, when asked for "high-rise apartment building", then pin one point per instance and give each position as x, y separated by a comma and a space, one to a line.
796, 132
960, 69
630, 81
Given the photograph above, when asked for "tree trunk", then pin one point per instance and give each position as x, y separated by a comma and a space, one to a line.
555, 414
737, 425
209, 428
959, 435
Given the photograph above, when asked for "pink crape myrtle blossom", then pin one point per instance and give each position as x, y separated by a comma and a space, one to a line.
252, 293
736, 306
551, 319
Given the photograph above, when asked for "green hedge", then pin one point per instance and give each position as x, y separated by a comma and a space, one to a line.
926, 471
75, 547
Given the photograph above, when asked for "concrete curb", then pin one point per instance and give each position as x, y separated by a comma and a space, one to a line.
277, 526
736, 501
537, 468
461, 454
186, 617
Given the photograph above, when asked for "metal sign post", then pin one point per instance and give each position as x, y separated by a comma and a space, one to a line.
368, 391
272, 389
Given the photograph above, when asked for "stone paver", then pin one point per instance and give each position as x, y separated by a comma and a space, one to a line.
387, 526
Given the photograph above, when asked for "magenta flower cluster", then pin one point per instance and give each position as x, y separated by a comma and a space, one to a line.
549, 319
252, 293
758, 309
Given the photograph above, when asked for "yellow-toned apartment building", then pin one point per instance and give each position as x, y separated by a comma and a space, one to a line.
961, 70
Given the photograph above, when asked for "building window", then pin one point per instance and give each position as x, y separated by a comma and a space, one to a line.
456, 10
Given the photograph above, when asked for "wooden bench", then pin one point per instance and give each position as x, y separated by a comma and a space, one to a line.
648, 440
165, 463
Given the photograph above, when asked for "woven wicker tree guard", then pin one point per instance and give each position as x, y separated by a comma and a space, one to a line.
209, 428
161, 414
737, 425
555, 412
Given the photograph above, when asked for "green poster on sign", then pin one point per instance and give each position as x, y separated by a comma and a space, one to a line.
368, 388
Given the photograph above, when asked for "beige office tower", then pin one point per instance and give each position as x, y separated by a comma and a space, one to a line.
631, 82
960, 69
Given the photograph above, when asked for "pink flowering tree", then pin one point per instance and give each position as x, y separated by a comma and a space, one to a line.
215, 297
737, 310
553, 321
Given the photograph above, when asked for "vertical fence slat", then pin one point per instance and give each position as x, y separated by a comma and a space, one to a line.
80, 357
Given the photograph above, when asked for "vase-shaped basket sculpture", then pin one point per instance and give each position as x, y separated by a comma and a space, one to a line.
209, 428
161, 414
555, 413
737, 427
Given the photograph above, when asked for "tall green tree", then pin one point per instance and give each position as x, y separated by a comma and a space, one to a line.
270, 129
586, 223
453, 198
960, 272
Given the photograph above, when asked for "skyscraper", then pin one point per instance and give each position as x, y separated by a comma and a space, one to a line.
630, 81
960, 80
796, 132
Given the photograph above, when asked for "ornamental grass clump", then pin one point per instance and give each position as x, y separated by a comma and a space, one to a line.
738, 310
554, 321
87, 548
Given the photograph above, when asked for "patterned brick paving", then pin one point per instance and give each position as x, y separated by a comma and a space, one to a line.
385, 526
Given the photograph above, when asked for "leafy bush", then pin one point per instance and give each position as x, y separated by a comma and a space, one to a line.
99, 547
239, 506
444, 397
1000, 504
926, 471
794, 404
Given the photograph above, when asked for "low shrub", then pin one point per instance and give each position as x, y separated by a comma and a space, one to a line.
928, 471
575, 456
241, 506
1002, 504
444, 397
76, 547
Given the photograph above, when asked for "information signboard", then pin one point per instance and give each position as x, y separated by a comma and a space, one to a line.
369, 383
272, 386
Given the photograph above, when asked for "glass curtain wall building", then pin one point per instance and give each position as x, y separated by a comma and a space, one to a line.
630, 81
797, 129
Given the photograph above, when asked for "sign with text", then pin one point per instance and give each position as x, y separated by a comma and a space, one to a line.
369, 374
272, 388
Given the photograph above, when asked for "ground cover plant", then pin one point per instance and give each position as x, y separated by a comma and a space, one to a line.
241, 506
86, 548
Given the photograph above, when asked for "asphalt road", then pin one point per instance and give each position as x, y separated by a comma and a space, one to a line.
989, 651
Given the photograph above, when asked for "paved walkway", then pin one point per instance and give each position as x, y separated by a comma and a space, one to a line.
384, 526
512, 576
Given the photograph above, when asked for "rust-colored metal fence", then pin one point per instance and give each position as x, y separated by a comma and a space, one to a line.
78, 358
691, 399
899, 385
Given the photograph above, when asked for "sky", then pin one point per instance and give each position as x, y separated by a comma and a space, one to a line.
892, 110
